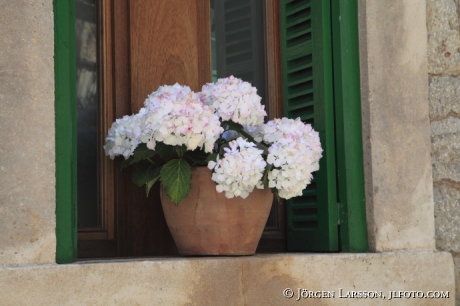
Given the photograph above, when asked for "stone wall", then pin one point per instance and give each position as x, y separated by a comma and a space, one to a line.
396, 127
27, 193
443, 24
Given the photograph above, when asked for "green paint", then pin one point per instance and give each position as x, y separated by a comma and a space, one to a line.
353, 231
308, 94
309, 80
65, 126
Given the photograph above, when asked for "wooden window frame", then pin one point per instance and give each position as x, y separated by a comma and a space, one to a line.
346, 81
106, 115
101, 242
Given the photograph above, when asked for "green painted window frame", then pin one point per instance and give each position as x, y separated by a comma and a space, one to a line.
325, 90
349, 143
65, 130
346, 74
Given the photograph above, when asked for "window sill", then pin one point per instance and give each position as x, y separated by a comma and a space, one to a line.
248, 280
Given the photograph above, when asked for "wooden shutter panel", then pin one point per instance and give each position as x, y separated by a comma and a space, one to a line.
307, 93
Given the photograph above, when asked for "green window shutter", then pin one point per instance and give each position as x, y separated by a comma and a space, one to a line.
308, 94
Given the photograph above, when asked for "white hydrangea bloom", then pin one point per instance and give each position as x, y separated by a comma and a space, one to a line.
294, 153
240, 170
124, 135
234, 100
176, 116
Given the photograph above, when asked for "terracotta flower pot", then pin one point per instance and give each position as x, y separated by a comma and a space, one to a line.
207, 223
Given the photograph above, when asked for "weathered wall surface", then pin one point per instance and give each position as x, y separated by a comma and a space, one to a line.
257, 280
444, 97
27, 194
396, 128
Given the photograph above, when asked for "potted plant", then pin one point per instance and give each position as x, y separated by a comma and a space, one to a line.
219, 164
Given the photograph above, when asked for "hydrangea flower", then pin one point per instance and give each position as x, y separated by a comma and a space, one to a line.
294, 153
176, 116
240, 170
234, 100
124, 136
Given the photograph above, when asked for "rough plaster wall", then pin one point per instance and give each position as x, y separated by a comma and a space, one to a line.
444, 96
398, 174
27, 193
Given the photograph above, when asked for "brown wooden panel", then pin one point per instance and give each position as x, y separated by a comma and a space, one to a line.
274, 238
273, 59
107, 116
97, 249
170, 42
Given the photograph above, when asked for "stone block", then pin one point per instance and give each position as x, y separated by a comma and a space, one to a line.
444, 97
443, 37
457, 279
445, 155
448, 126
247, 280
447, 216
27, 172
396, 127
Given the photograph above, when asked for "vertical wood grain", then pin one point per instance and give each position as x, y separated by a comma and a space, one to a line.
169, 43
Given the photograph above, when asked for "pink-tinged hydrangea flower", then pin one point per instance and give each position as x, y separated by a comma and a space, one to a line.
234, 100
240, 170
176, 116
124, 136
294, 153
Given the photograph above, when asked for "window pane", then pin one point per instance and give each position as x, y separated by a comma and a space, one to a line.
237, 41
87, 114
238, 49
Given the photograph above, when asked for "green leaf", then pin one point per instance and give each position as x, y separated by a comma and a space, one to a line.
238, 128
275, 192
142, 152
149, 185
125, 163
212, 157
197, 156
180, 150
145, 174
165, 151
268, 168
176, 177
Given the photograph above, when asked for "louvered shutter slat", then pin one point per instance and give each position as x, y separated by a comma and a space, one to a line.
307, 93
